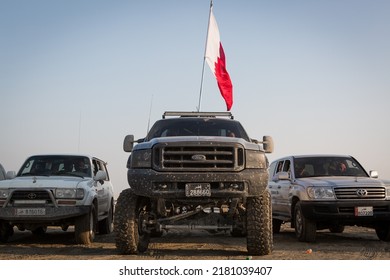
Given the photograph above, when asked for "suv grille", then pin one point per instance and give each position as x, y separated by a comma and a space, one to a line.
31, 195
198, 158
360, 193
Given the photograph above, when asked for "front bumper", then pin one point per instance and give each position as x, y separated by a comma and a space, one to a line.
42, 214
150, 183
343, 212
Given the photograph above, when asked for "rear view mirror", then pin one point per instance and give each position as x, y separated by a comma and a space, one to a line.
10, 175
281, 176
128, 143
374, 174
268, 144
100, 176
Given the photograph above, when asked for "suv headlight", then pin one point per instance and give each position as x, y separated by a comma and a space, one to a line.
388, 192
141, 159
320, 192
69, 193
255, 159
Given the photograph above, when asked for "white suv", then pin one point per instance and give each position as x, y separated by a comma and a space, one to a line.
316, 192
58, 190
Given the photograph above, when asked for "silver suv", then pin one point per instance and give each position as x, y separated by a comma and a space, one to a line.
58, 190
316, 192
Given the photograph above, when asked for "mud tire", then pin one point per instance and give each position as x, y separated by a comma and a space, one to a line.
259, 225
128, 237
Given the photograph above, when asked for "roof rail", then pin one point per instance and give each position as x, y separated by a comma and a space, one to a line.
197, 114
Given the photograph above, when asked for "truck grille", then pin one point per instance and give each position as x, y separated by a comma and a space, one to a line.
360, 193
198, 158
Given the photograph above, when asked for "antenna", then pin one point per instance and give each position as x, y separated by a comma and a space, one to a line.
78, 145
150, 112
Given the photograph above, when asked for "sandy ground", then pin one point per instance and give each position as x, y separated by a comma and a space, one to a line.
354, 244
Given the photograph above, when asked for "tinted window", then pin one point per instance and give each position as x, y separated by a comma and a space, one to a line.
327, 166
197, 127
56, 166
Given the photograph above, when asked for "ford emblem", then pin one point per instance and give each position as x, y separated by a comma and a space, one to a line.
198, 157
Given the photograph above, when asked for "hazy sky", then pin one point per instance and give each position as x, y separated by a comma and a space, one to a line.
77, 76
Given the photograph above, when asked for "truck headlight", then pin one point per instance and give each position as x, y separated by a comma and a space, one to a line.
69, 193
320, 192
141, 159
255, 159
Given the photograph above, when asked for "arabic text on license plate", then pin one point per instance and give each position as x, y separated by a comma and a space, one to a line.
30, 211
364, 211
195, 189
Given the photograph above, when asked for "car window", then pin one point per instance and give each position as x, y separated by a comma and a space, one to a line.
286, 166
78, 166
197, 127
272, 168
327, 166
99, 165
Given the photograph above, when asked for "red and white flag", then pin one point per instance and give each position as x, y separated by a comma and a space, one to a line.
215, 57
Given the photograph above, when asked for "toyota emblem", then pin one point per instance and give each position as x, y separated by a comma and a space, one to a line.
361, 192
31, 196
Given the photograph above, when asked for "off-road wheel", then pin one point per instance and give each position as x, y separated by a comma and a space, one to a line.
129, 236
305, 229
106, 225
85, 227
383, 232
259, 225
6, 231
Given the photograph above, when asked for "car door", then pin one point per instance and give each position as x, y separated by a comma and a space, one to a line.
101, 188
284, 188
275, 168
279, 187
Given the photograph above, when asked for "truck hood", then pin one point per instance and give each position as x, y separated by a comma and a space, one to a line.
198, 140
342, 182
42, 182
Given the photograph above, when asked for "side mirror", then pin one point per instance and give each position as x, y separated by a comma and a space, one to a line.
268, 144
374, 174
10, 175
100, 175
128, 143
281, 176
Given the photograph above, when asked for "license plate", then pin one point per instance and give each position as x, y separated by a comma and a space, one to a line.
30, 211
198, 189
364, 211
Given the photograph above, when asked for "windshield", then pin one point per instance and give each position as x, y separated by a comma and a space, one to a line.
197, 127
56, 166
327, 166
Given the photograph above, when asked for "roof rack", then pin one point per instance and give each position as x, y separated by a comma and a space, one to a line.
197, 114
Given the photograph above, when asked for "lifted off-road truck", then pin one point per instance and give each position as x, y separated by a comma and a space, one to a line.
195, 170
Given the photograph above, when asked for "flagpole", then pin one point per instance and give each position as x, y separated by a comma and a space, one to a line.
204, 58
